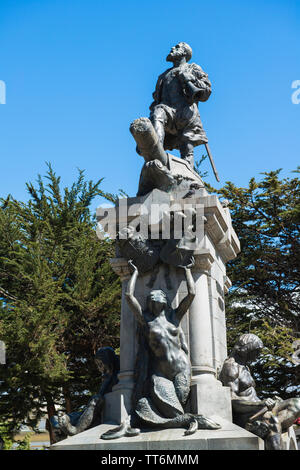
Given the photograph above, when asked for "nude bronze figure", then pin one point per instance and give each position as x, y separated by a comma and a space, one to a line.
163, 369
266, 418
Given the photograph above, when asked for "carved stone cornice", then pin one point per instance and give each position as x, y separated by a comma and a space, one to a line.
227, 284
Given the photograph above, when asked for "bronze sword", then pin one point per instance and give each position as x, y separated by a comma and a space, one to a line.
212, 162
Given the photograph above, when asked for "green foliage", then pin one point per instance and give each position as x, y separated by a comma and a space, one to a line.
6, 437
266, 278
9, 441
203, 174
198, 168
24, 444
60, 300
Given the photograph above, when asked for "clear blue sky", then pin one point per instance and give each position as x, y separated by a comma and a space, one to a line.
78, 72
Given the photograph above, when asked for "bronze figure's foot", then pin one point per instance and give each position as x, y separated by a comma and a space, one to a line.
200, 422
65, 424
124, 430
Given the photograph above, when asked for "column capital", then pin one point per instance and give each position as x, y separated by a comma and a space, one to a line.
203, 259
120, 267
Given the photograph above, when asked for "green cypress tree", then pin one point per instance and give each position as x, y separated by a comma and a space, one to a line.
264, 298
60, 300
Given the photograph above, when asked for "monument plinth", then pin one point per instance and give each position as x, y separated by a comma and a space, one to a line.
204, 325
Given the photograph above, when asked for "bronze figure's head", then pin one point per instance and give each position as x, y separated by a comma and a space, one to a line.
182, 49
248, 346
157, 301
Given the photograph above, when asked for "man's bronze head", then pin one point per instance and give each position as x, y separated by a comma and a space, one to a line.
182, 49
106, 358
248, 346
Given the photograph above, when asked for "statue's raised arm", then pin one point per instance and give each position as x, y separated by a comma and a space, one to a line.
130, 297
188, 299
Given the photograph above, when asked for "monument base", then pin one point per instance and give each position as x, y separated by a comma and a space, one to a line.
211, 398
117, 404
229, 437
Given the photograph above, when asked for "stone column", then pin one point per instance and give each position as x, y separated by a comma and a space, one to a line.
118, 402
200, 328
208, 396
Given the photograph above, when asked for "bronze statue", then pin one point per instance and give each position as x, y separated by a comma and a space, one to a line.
69, 424
163, 370
174, 124
174, 111
266, 418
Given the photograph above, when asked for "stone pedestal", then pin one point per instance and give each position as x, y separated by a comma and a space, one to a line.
209, 397
230, 437
204, 324
118, 402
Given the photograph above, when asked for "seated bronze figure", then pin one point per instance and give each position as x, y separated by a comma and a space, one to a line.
268, 418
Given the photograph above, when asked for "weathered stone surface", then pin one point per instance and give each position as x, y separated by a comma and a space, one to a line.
230, 437
211, 398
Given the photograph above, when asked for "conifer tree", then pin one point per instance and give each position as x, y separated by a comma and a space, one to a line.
265, 295
60, 300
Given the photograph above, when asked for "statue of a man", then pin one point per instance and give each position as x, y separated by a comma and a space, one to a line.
265, 418
174, 111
